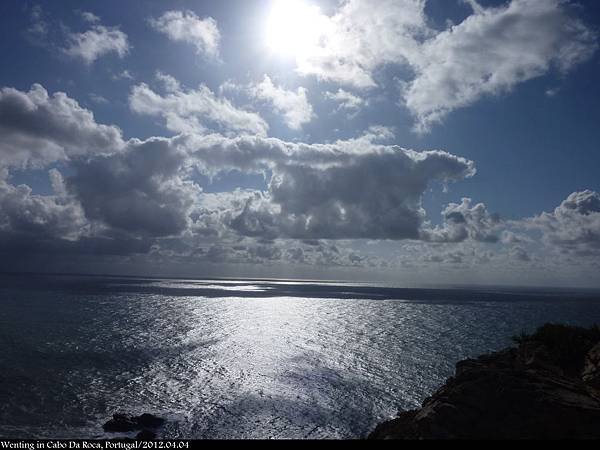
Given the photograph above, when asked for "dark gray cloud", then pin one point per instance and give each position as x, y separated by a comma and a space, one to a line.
139, 197
22, 246
139, 190
50, 216
144, 190
373, 195
289, 252
353, 189
54, 225
37, 129
520, 254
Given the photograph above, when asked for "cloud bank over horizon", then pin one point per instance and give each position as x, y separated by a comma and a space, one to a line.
229, 176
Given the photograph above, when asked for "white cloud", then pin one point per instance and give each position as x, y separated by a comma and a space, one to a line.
37, 129
139, 196
144, 189
193, 111
463, 221
123, 75
28, 214
140, 190
90, 17
574, 226
347, 101
170, 83
491, 52
99, 99
97, 42
186, 26
520, 254
293, 105
362, 36
314, 194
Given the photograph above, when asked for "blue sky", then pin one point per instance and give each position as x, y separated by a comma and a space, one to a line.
506, 91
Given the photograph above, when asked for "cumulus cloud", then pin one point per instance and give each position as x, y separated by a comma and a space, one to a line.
37, 128
96, 42
489, 53
269, 253
140, 196
186, 26
463, 221
193, 111
292, 105
37, 230
170, 83
362, 36
37, 216
520, 254
314, 194
492, 51
139, 190
574, 226
124, 198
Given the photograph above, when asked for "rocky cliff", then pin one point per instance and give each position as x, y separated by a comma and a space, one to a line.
547, 387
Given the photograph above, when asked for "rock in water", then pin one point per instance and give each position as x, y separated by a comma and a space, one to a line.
150, 421
146, 435
518, 393
120, 423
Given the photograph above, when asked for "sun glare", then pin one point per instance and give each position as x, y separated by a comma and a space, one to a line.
293, 27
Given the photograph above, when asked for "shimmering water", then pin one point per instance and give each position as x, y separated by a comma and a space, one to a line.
244, 359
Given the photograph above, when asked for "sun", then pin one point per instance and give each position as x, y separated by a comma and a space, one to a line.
293, 27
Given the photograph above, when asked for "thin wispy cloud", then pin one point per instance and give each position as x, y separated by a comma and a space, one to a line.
193, 111
97, 42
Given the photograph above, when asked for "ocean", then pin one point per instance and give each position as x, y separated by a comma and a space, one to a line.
245, 358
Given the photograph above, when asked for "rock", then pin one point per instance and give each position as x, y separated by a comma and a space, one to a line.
150, 421
121, 423
517, 393
146, 435
591, 369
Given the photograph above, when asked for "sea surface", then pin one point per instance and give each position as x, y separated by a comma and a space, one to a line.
243, 358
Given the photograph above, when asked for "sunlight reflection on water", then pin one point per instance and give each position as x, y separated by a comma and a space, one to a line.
239, 367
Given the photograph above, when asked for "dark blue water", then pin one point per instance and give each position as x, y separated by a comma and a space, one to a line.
244, 359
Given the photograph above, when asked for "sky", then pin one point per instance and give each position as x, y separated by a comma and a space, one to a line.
414, 142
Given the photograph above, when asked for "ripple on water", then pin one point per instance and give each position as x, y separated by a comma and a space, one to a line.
239, 367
